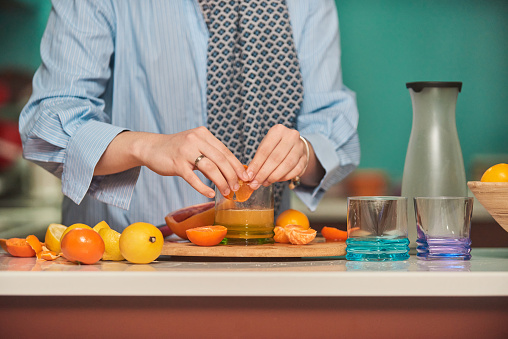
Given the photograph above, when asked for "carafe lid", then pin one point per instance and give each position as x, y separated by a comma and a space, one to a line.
419, 85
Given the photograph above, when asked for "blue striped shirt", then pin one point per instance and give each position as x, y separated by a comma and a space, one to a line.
110, 66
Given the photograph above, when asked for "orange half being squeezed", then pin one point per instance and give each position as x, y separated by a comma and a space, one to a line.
243, 193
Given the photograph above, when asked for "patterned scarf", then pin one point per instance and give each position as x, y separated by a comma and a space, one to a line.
253, 74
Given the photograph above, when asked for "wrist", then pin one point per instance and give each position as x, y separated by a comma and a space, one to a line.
139, 147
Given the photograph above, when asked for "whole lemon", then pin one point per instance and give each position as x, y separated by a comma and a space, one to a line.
141, 243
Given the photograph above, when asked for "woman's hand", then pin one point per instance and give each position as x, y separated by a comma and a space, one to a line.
281, 156
175, 154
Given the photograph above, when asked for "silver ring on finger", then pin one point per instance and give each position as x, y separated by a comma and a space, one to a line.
198, 159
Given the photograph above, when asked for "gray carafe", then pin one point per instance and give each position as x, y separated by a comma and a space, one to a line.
434, 165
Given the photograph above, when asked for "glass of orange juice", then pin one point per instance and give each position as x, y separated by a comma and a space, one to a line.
250, 221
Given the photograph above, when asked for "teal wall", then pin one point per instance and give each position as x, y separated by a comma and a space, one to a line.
385, 43
390, 42
22, 23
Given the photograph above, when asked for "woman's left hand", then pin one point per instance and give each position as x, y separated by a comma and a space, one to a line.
281, 156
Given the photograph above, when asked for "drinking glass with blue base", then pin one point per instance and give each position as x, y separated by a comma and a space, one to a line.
377, 229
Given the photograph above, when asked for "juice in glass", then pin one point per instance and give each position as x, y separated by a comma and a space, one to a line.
250, 222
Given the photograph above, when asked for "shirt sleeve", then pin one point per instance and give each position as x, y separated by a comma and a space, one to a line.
65, 127
329, 114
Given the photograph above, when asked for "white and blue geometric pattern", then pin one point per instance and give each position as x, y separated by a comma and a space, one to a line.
253, 73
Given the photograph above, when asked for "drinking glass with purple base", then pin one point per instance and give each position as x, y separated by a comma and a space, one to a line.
443, 227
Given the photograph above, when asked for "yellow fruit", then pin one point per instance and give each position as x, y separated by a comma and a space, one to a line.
497, 173
100, 226
71, 227
112, 244
53, 236
141, 243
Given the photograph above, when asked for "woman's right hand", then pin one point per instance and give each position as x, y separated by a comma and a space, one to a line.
175, 154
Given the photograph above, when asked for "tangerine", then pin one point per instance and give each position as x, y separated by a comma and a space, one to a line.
496, 173
71, 227
207, 235
82, 245
292, 217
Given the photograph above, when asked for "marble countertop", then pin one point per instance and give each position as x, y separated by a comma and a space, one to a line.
486, 274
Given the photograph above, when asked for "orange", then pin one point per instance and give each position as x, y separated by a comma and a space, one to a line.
243, 193
73, 226
297, 236
18, 247
333, 234
292, 217
497, 173
207, 235
82, 245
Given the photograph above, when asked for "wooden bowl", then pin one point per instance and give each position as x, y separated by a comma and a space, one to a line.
494, 197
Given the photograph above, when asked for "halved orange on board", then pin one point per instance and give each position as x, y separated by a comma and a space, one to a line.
207, 235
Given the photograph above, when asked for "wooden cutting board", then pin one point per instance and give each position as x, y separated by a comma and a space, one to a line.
317, 248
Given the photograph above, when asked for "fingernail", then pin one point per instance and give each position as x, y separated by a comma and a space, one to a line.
211, 194
251, 175
227, 191
245, 176
236, 187
254, 184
